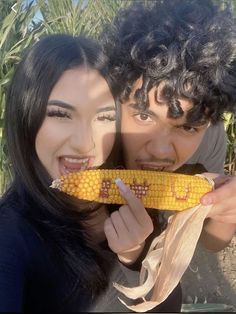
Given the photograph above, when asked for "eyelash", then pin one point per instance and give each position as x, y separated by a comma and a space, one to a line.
109, 117
187, 129
190, 130
58, 113
138, 114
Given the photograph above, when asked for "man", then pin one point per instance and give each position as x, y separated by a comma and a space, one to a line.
174, 67
173, 64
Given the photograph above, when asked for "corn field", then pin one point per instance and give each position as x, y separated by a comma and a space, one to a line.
23, 22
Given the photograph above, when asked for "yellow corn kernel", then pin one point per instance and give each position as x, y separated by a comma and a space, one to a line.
160, 190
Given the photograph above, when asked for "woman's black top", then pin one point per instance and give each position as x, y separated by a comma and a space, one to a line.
33, 280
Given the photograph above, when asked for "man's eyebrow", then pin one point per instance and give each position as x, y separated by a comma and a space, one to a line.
61, 104
108, 108
146, 110
194, 123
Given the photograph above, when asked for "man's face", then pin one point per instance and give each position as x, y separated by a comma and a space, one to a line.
151, 140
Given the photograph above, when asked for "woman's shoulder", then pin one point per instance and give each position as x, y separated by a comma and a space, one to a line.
17, 235
22, 246
27, 269
12, 210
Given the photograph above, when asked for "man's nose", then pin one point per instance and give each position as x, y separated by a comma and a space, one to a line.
82, 139
160, 146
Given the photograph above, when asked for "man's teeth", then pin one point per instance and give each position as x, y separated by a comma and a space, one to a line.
154, 168
76, 161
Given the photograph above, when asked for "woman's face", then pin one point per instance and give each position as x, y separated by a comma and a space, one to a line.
78, 131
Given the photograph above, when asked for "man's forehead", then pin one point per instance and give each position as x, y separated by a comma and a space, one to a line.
155, 95
137, 84
156, 102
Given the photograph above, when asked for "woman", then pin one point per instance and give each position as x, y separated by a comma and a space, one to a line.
61, 117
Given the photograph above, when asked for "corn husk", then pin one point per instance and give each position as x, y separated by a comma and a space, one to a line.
167, 259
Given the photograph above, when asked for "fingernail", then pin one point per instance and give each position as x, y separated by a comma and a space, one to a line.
206, 200
123, 188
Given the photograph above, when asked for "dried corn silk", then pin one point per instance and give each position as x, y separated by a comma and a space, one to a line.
167, 259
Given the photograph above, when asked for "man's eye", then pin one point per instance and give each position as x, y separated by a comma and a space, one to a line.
143, 117
189, 129
58, 114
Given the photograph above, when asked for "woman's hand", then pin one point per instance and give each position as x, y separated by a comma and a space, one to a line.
223, 198
127, 228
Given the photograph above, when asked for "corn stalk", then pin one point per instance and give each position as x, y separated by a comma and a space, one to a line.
230, 127
15, 36
78, 17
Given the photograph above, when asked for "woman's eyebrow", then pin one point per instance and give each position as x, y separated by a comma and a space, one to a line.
61, 104
108, 108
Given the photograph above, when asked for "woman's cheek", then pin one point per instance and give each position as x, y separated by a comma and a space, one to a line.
104, 140
109, 141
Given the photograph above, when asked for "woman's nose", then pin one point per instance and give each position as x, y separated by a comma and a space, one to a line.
83, 140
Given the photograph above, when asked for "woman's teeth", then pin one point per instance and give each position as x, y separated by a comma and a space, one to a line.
76, 161
76, 164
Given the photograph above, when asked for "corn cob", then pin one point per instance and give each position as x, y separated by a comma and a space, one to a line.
160, 190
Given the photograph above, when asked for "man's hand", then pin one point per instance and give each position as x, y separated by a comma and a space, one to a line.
220, 226
223, 198
127, 228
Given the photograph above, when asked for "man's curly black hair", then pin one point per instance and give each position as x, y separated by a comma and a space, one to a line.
188, 44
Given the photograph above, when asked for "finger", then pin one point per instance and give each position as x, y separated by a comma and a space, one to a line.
110, 232
224, 191
229, 219
210, 175
134, 203
129, 218
224, 207
117, 234
218, 179
119, 225
137, 233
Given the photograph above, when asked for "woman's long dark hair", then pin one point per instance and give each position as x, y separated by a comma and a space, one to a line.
56, 216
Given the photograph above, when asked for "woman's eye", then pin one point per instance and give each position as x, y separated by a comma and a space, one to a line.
58, 114
106, 117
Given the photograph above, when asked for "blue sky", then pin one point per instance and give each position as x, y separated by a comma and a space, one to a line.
38, 16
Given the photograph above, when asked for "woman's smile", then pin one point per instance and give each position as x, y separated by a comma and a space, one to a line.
72, 164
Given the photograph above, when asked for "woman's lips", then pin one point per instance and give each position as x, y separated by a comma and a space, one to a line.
73, 164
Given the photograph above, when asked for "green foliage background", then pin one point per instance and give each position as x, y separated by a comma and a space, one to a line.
19, 30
